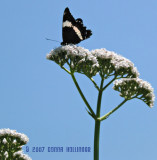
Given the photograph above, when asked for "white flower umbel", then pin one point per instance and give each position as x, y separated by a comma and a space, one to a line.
130, 88
11, 142
79, 59
13, 135
20, 155
111, 63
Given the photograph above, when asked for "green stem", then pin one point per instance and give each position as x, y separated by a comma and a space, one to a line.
109, 83
96, 86
83, 97
109, 113
97, 123
65, 69
96, 140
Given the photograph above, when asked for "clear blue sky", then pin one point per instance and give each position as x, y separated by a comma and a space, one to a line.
40, 100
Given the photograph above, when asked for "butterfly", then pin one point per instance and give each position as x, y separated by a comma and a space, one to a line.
73, 30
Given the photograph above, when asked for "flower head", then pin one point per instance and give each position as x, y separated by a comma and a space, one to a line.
19, 137
130, 88
111, 63
79, 59
11, 143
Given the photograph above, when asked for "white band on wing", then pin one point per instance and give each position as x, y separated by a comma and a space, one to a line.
69, 24
78, 32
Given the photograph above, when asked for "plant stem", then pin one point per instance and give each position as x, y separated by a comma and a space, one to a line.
83, 97
65, 69
109, 83
96, 86
109, 113
97, 123
96, 140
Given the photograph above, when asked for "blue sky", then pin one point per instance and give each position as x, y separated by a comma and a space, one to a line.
40, 100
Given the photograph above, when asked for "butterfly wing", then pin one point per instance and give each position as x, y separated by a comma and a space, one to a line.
85, 33
68, 33
73, 30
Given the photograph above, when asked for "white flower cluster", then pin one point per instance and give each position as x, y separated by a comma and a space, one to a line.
100, 61
135, 88
15, 136
10, 142
106, 63
79, 59
19, 155
111, 63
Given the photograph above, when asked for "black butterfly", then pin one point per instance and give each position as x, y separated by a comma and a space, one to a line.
73, 30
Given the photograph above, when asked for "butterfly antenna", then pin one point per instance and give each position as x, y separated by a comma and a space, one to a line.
52, 40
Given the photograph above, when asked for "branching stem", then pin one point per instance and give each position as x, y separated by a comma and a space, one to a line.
109, 113
66, 69
96, 86
109, 83
90, 111
82, 95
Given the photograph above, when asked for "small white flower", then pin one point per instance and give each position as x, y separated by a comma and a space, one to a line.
14, 141
4, 141
6, 154
21, 155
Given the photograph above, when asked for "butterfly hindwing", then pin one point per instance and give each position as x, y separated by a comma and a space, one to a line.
73, 30
70, 36
85, 33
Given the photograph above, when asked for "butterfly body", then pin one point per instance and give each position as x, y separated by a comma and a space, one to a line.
73, 31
